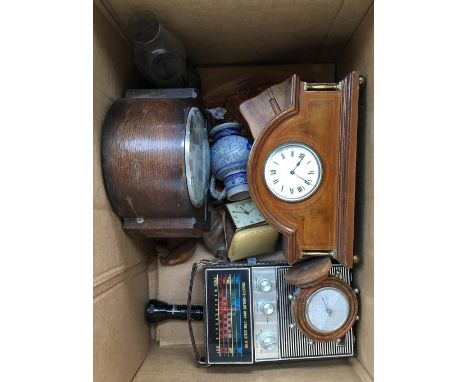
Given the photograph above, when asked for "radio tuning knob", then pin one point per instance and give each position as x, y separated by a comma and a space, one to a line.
268, 308
268, 341
264, 284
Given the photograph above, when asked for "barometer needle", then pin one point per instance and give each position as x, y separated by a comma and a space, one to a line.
329, 311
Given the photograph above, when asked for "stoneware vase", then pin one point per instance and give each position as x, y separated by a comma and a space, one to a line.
229, 154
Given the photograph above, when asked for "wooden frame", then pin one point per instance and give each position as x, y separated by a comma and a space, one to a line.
300, 307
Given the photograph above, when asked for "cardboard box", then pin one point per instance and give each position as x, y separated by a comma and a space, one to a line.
317, 39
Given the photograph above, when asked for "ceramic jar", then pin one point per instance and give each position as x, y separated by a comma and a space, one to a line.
229, 155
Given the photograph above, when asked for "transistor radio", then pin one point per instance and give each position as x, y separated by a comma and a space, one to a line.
251, 315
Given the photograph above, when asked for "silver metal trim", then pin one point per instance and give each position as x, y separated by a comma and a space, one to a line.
193, 113
320, 167
258, 296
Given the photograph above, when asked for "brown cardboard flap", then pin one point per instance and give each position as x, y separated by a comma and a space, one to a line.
176, 364
245, 31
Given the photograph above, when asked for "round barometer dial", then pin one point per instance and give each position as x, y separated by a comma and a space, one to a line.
197, 157
326, 311
293, 172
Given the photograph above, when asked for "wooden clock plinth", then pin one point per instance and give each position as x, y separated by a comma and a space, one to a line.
322, 117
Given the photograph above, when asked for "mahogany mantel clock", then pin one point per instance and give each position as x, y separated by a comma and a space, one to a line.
302, 165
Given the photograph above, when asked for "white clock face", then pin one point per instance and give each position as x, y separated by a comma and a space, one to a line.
327, 310
244, 213
293, 172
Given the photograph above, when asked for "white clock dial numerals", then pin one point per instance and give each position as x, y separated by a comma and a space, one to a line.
327, 310
244, 213
293, 172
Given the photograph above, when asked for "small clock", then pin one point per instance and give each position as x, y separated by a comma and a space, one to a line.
244, 213
293, 172
247, 233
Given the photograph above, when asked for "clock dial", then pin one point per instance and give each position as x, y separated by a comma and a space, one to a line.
293, 172
197, 157
327, 310
244, 213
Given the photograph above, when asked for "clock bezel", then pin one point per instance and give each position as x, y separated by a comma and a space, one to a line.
320, 169
193, 113
301, 304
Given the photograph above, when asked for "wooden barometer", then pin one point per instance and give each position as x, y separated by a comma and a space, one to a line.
302, 166
323, 307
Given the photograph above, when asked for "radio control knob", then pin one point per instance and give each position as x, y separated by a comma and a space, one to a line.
268, 341
264, 284
268, 308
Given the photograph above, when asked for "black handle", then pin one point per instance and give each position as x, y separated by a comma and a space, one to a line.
157, 311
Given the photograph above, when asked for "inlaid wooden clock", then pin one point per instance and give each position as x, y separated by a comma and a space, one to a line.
302, 166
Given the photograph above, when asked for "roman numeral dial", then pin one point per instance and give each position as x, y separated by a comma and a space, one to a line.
293, 172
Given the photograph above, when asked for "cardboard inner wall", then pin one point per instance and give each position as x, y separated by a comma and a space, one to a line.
338, 36
359, 55
121, 336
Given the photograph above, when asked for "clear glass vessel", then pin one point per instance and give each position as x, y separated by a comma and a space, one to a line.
159, 55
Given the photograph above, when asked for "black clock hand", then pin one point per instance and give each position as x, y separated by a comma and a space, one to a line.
297, 165
306, 181
247, 212
239, 212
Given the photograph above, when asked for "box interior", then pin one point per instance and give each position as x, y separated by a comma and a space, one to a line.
319, 40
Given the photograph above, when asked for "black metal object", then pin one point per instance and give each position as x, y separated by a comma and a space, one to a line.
157, 311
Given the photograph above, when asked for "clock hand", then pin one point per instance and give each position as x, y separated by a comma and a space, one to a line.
247, 212
306, 181
297, 165
239, 212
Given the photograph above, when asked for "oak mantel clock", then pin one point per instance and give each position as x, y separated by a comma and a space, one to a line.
156, 162
302, 165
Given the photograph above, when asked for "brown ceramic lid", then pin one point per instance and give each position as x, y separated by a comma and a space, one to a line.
309, 272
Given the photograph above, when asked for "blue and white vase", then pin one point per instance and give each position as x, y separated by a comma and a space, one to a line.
229, 156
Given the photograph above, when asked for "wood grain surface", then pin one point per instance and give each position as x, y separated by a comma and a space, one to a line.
326, 121
144, 167
300, 306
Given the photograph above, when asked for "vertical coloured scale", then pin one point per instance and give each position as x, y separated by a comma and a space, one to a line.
228, 313
228, 323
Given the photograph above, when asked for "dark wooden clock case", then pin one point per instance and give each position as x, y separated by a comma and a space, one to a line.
324, 118
144, 165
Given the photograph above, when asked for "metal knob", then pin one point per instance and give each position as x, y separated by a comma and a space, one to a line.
268, 308
264, 284
268, 341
